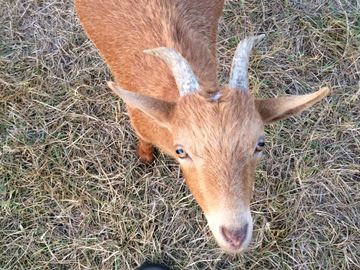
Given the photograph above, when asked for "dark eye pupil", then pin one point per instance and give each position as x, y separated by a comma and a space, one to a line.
179, 151
261, 144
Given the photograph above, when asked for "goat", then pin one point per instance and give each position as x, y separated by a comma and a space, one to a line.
164, 53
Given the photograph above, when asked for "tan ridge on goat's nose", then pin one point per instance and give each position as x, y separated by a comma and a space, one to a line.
235, 237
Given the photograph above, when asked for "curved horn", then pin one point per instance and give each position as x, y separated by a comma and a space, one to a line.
186, 80
239, 67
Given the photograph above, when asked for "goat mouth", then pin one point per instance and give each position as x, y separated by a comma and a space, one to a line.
231, 249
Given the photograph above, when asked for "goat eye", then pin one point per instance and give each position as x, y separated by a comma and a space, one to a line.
260, 145
181, 152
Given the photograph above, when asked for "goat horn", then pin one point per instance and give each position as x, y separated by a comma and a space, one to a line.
185, 78
239, 67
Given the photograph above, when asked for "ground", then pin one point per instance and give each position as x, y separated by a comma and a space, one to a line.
74, 196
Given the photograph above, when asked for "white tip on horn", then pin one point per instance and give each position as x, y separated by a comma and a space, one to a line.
185, 78
239, 68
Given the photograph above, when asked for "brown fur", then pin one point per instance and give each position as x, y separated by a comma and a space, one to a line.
222, 156
129, 27
219, 136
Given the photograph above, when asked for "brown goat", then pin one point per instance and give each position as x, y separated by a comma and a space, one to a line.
175, 103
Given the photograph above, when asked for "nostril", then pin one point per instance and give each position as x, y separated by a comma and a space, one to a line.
235, 237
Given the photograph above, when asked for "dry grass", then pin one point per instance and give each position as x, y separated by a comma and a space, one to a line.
74, 196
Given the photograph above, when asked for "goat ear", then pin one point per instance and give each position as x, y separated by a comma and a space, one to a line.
159, 110
283, 107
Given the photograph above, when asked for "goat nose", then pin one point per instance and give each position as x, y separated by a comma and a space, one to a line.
235, 237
